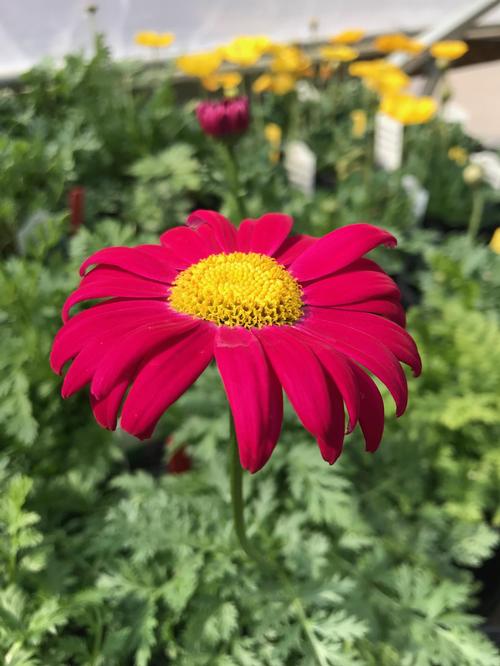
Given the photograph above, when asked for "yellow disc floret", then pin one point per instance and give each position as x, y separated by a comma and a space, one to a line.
238, 289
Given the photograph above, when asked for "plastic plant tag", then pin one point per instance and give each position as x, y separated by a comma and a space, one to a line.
300, 165
418, 195
388, 142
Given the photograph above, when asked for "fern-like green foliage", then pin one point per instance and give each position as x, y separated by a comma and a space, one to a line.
366, 563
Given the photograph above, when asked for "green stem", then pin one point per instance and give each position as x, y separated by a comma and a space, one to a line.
478, 201
238, 203
237, 498
247, 547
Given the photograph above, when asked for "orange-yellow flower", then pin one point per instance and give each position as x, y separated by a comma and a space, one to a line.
409, 109
154, 39
397, 42
348, 37
359, 122
449, 50
228, 81
199, 64
338, 53
246, 51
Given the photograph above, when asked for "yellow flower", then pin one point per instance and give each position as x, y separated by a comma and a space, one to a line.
388, 80
290, 59
380, 75
338, 53
280, 84
458, 155
199, 64
449, 50
228, 81
397, 42
359, 121
273, 134
245, 51
408, 109
164, 39
154, 39
348, 37
495, 241
262, 83
146, 38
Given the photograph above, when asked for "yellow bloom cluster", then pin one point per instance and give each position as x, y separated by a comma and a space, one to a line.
154, 39
409, 109
449, 50
338, 53
397, 42
280, 83
200, 64
289, 59
246, 50
380, 75
348, 37
227, 81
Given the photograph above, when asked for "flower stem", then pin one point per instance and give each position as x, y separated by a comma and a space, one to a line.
476, 213
249, 550
233, 181
237, 497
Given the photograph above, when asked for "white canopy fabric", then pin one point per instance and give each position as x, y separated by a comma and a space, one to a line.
33, 29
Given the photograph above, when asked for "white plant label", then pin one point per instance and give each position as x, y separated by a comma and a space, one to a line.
418, 195
300, 165
388, 142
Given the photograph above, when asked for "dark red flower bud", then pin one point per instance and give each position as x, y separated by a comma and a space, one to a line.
225, 117
76, 202
180, 462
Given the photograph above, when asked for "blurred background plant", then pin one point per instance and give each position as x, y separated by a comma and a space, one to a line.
106, 556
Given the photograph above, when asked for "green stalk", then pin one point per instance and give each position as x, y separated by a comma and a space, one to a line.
478, 201
234, 188
248, 548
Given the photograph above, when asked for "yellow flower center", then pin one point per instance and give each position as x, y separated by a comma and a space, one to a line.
238, 289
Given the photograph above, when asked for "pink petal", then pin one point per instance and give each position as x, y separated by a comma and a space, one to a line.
305, 384
338, 249
350, 287
185, 246
253, 392
135, 346
341, 373
385, 308
72, 337
106, 409
363, 349
135, 260
264, 235
390, 334
104, 282
223, 231
371, 416
164, 378
292, 247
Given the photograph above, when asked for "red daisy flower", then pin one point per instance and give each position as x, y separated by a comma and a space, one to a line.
307, 315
